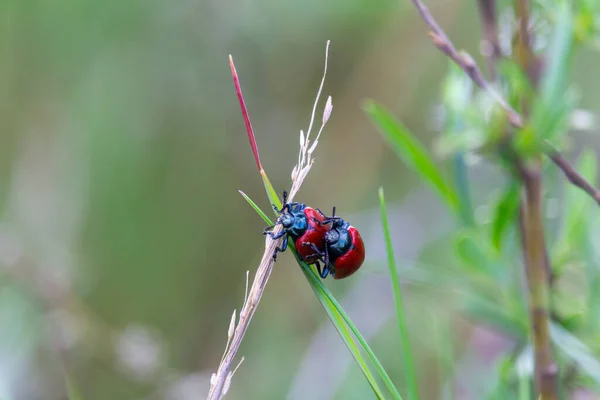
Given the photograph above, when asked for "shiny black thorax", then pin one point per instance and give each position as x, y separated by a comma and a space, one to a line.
294, 221
338, 239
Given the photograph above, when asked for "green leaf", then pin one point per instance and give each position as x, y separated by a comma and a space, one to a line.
409, 368
463, 133
332, 306
575, 237
576, 350
475, 251
256, 208
553, 106
412, 153
505, 213
271, 193
585, 20
337, 320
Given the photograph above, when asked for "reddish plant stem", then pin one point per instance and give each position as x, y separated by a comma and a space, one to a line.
249, 130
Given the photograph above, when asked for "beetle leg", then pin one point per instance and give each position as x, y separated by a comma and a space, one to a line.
283, 208
315, 248
280, 249
268, 229
316, 221
285, 204
285, 195
277, 236
322, 272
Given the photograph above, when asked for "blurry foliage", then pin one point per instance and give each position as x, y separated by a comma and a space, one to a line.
489, 265
123, 242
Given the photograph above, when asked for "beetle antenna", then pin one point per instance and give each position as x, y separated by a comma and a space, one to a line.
285, 195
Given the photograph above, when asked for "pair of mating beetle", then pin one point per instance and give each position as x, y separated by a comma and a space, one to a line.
319, 238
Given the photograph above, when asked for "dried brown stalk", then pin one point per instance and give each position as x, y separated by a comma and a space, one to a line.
221, 380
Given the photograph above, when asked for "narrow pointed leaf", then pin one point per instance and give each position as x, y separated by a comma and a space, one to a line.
271, 193
256, 208
412, 153
505, 213
409, 367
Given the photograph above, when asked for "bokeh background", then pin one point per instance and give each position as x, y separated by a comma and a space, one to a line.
124, 243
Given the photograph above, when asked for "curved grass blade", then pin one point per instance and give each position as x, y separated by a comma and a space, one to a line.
409, 367
505, 213
314, 279
271, 193
256, 208
551, 109
457, 98
412, 153
342, 329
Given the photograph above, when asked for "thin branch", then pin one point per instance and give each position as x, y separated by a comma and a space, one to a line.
468, 65
464, 61
573, 176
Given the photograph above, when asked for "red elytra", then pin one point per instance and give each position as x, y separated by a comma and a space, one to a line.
315, 233
348, 263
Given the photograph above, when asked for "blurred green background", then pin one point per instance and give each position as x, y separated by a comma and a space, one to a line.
124, 243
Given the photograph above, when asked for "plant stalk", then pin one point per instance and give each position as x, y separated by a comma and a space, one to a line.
534, 248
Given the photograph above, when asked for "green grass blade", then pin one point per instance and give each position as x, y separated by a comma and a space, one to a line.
256, 208
551, 111
339, 324
409, 367
361, 340
457, 99
271, 193
505, 213
412, 153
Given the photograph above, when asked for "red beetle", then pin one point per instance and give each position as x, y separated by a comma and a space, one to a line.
344, 248
302, 224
